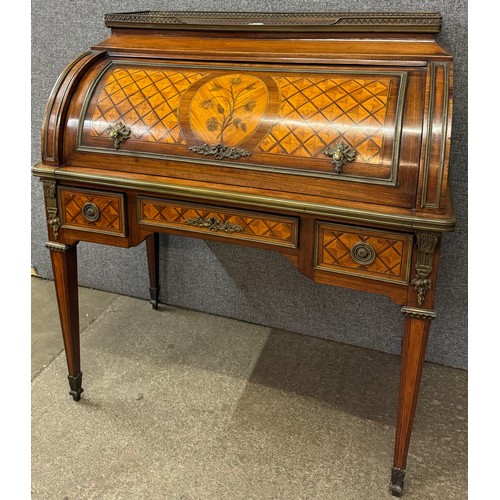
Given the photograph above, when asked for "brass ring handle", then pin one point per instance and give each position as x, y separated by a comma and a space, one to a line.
363, 253
90, 211
340, 154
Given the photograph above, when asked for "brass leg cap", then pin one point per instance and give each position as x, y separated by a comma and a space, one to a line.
397, 481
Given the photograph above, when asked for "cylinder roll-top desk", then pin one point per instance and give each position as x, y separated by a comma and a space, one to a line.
325, 137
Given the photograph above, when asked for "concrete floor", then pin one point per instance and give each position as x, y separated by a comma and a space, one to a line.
186, 406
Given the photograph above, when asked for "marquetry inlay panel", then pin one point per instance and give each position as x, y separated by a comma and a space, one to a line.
317, 110
146, 100
253, 226
260, 117
109, 213
390, 252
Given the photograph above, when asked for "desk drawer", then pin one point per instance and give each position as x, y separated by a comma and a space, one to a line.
253, 226
363, 252
94, 211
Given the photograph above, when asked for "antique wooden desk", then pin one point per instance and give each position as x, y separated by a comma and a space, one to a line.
322, 136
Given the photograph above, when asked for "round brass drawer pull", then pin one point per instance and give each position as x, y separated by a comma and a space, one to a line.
363, 253
90, 211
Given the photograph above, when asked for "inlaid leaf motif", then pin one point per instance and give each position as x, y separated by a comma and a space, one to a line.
228, 108
230, 102
250, 105
212, 124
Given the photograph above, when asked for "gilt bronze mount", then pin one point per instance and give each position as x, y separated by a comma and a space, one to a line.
422, 282
214, 224
49, 190
340, 154
220, 152
118, 133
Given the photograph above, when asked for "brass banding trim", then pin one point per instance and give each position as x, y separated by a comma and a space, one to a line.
444, 132
58, 247
429, 133
417, 313
406, 222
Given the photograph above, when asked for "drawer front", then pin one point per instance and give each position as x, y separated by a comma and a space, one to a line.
236, 224
95, 211
363, 252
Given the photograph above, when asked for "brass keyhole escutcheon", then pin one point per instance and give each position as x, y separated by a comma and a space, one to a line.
90, 211
363, 253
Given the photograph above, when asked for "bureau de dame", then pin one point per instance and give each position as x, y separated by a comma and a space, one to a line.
325, 137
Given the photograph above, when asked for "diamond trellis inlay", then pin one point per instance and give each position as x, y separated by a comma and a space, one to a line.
310, 112
391, 253
317, 111
146, 100
110, 211
282, 231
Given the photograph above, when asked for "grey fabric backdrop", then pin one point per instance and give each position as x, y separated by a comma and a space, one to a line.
255, 285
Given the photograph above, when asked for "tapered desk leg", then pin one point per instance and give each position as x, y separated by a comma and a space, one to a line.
64, 266
153, 252
417, 325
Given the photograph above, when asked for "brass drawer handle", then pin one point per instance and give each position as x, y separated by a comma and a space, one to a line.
90, 211
213, 224
363, 253
340, 154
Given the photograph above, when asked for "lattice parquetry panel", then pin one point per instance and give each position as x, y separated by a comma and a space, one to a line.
110, 211
318, 111
266, 229
391, 253
146, 100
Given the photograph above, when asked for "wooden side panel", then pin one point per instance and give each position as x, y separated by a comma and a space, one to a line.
57, 106
252, 226
435, 149
363, 252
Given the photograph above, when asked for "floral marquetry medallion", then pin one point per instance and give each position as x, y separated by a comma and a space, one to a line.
228, 109
262, 118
